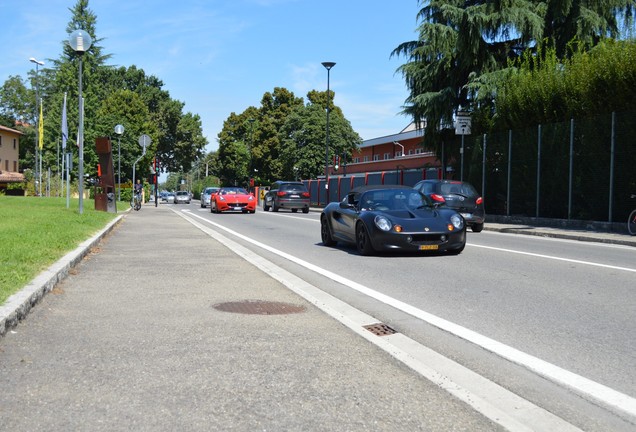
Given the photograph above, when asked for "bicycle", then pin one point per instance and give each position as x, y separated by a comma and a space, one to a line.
631, 220
135, 202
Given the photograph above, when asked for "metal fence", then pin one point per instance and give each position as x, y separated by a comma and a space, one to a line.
583, 169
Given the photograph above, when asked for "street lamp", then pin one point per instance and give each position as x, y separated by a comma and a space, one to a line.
80, 41
328, 66
251, 143
119, 130
38, 173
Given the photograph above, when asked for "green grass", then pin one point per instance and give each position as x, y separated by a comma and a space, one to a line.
36, 232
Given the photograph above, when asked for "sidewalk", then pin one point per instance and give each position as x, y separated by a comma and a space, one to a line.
132, 340
571, 234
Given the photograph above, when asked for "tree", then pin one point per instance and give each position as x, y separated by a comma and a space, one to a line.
303, 137
274, 110
464, 46
458, 41
176, 136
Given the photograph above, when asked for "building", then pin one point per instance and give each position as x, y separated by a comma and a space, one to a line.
9, 157
395, 153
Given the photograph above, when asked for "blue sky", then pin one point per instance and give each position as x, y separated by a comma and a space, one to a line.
221, 56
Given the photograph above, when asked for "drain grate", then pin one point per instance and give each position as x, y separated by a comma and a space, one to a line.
256, 307
380, 329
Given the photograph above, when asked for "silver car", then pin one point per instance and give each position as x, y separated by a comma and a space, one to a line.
206, 194
182, 197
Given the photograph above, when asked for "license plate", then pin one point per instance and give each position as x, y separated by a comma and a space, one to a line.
429, 247
466, 215
237, 208
294, 196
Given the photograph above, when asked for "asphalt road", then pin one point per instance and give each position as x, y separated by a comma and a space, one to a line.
542, 324
567, 303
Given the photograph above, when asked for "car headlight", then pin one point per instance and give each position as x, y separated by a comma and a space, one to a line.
383, 223
457, 221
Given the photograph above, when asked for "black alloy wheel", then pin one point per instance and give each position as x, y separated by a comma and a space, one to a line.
325, 233
363, 242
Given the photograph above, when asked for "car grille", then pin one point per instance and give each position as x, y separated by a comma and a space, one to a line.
433, 238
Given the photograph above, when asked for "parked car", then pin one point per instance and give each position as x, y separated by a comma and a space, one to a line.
232, 199
170, 197
460, 196
205, 195
392, 218
291, 195
182, 197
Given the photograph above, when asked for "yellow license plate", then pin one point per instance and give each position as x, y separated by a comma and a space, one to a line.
428, 247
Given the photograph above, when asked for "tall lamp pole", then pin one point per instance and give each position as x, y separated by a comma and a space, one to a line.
249, 168
38, 174
119, 130
328, 66
80, 41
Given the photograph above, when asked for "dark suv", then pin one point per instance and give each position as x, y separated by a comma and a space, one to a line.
460, 196
287, 195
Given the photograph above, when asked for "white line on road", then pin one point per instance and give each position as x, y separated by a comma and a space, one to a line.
580, 384
589, 263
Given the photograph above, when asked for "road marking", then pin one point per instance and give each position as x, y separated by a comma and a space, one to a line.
580, 384
589, 263
484, 396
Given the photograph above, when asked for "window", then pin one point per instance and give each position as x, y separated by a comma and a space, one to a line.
0, 140
399, 153
376, 157
6, 164
366, 158
356, 160
15, 166
15, 143
387, 156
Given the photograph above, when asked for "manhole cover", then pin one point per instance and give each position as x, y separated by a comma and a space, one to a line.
255, 307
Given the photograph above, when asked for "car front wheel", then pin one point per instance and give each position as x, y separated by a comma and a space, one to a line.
363, 242
477, 227
325, 233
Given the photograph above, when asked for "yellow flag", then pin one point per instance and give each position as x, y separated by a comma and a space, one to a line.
41, 127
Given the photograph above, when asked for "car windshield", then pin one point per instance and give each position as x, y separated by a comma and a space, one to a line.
182, 193
464, 189
233, 191
293, 187
393, 199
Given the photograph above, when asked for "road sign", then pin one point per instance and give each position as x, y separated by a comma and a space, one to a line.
144, 141
462, 123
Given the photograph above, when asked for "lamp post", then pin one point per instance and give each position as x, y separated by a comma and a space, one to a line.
38, 174
328, 66
249, 169
119, 130
80, 41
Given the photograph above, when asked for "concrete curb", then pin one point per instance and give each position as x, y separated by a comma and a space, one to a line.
17, 306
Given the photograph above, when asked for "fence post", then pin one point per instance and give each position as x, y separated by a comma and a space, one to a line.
570, 182
483, 169
611, 179
509, 172
538, 171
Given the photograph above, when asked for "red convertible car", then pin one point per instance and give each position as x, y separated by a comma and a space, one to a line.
232, 199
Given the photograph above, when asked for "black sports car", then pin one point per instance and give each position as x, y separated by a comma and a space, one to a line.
392, 218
